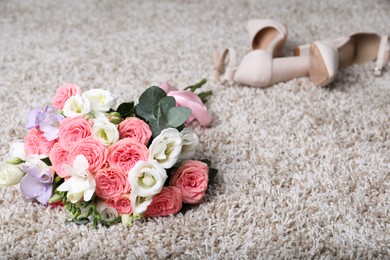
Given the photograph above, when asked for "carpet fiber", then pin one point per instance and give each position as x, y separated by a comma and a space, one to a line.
304, 171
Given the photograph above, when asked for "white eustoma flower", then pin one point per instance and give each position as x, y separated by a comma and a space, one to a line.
17, 150
10, 174
77, 106
104, 131
106, 212
166, 147
81, 184
101, 100
190, 142
147, 178
140, 204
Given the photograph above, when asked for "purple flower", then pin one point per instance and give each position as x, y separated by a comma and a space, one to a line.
47, 119
34, 118
38, 181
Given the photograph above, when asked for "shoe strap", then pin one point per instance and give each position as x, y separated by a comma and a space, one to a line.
219, 62
383, 55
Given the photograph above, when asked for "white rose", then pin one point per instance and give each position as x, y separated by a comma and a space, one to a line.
104, 131
166, 147
147, 178
140, 204
190, 142
76, 106
101, 100
17, 150
10, 174
81, 184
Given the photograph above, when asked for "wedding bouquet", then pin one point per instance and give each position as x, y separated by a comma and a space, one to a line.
106, 165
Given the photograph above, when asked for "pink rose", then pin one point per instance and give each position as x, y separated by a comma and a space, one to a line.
36, 143
58, 157
125, 153
167, 202
111, 183
192, 179
63, 93
93, 150
72, 129
135, 128
122, 204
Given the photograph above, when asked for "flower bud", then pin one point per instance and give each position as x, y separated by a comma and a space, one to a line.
10, 174
55, 198
115, 118
127, 220
15, 161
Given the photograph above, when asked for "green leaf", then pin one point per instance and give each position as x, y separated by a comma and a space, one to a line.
148, 102
164, 105
197, 85
203, 95
212, 174
178, 115
126, 109
82, 221
155, 127
212, 171
46, 161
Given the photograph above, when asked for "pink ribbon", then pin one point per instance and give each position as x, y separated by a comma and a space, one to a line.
189, 99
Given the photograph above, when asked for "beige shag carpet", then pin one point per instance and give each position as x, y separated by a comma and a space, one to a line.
304, 171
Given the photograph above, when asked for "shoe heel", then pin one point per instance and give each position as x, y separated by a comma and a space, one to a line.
323, 63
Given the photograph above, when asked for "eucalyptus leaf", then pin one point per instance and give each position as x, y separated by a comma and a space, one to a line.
148, 101
126, 109
155, 127
178, 115
165, 105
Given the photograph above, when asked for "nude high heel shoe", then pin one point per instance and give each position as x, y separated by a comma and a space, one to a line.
259, 68
358, 48
268, 35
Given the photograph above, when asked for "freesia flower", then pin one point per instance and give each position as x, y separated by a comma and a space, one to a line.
81, 184
190, 143
38, 181
147, 178
166, 147
100, 100
47, 119
17, 150
77, 106
189, 99
10, 174
104, 131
